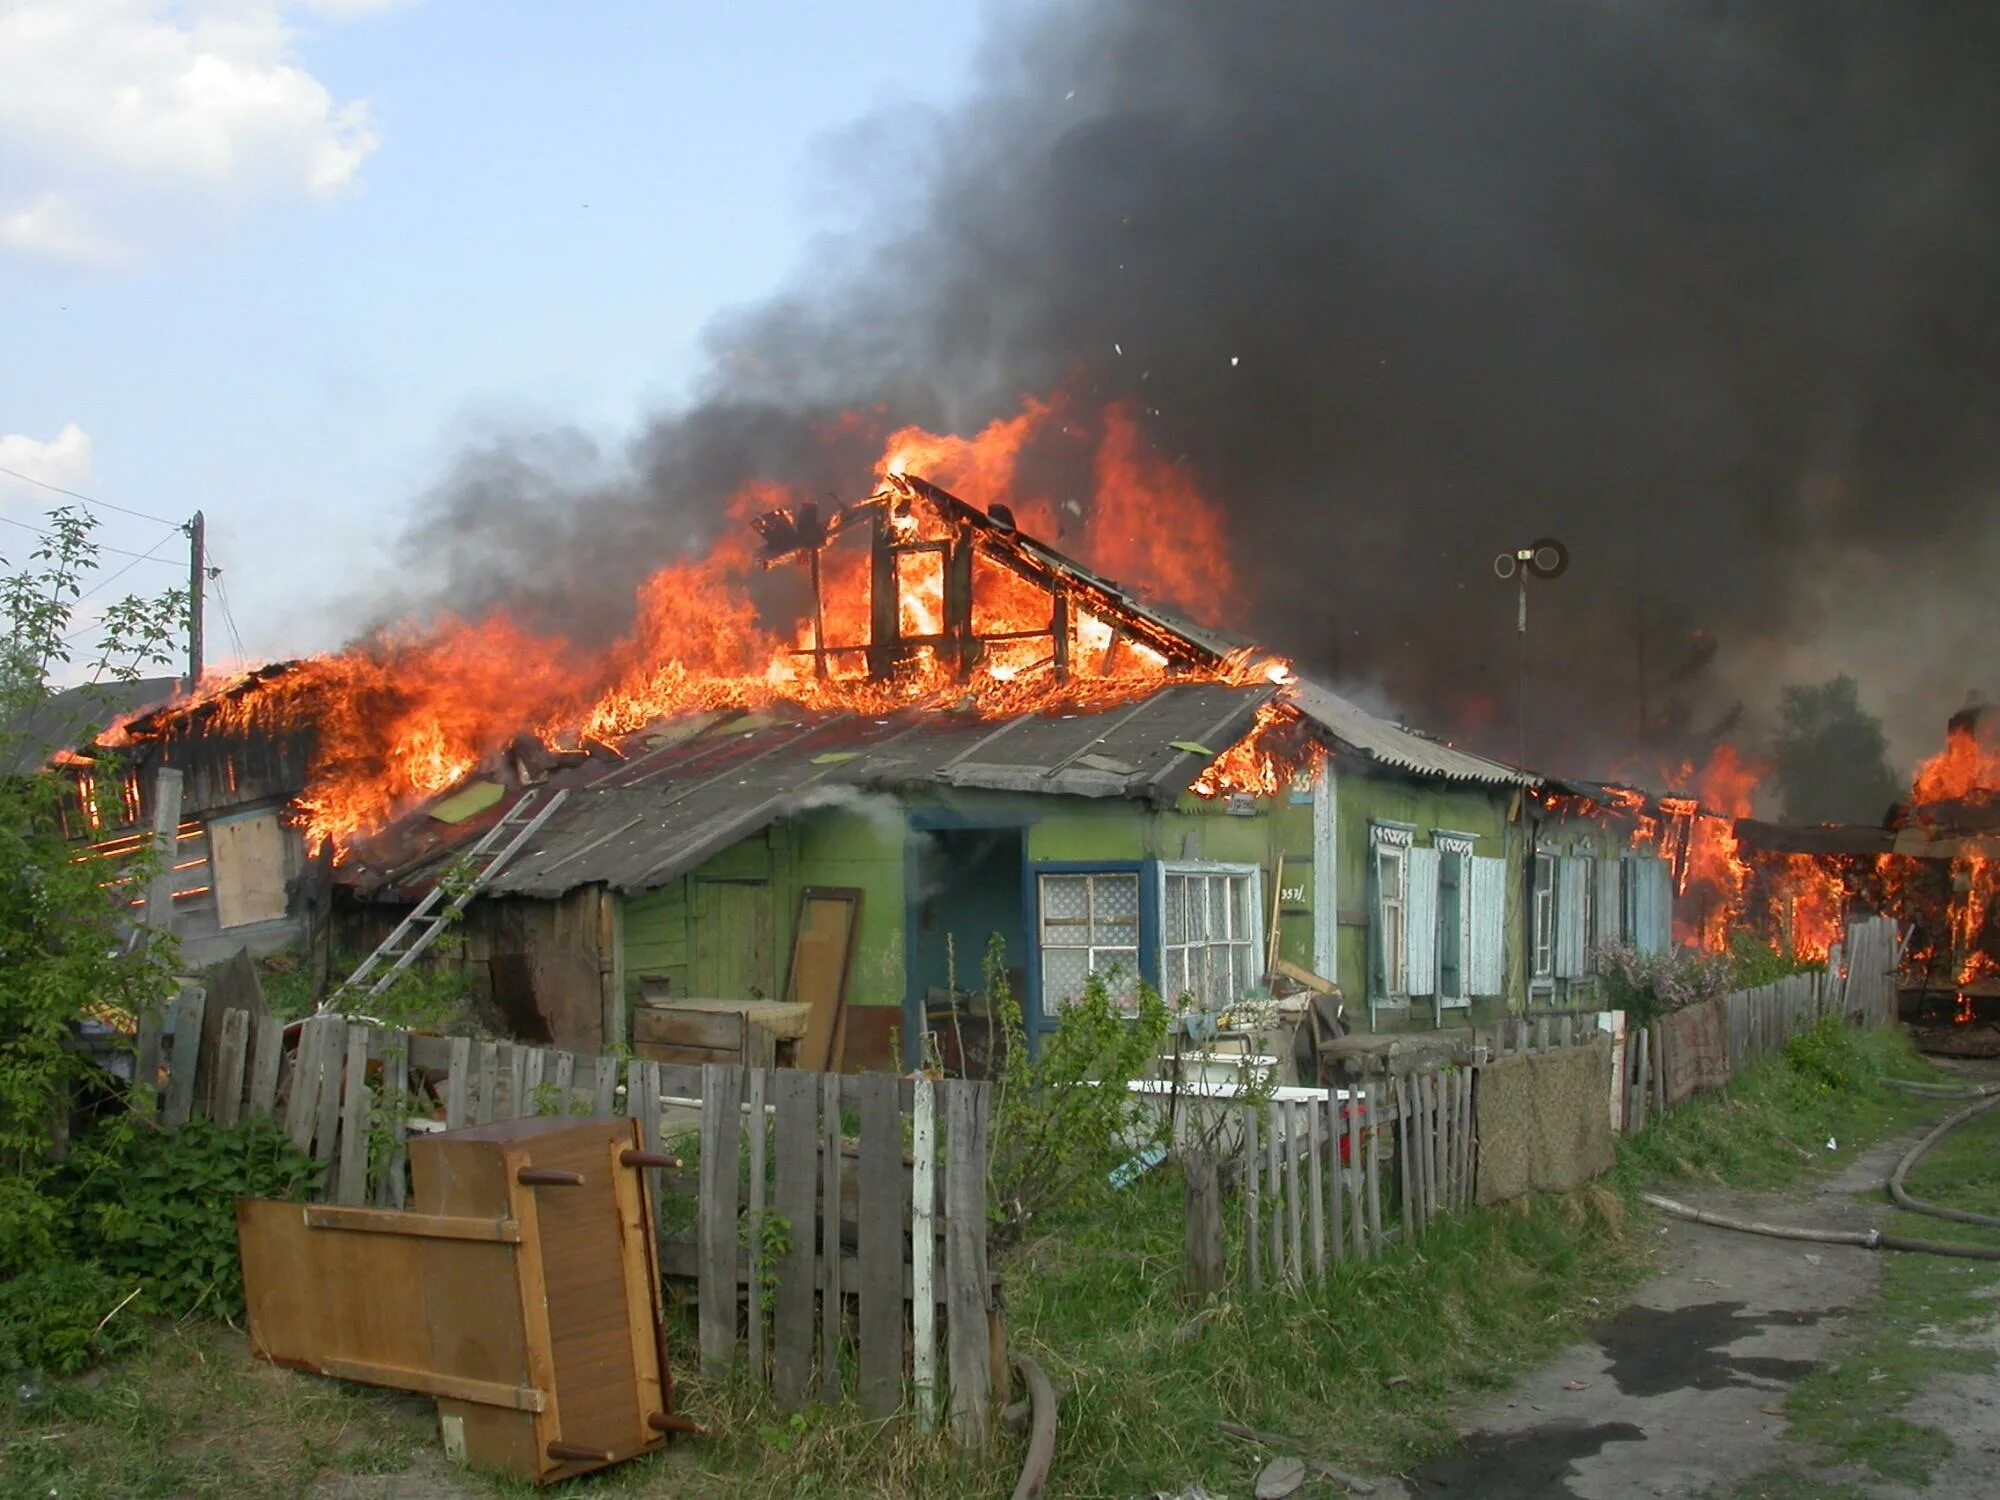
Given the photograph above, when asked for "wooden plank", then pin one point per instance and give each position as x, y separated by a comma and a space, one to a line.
969, 1342
436, 1383
923, 1252
517, 1082
1205, 1263
1357, 1217
756, 1081
1467, 1126
457, 1082
881, 1248
1427, 1091
350, 1170
535, 1066
1294, 1198
833, 1307
721, 1158
1274, 1188
1336, 1178
269, 1054
564, 1078
1374, 1177
795, 1197
1253, 1228
412, 1225
332, 1064
486, 1098
302, 1103
226, 1096
184, 1062
1656, 1053
394, 1188
604, 1088
1315, 1113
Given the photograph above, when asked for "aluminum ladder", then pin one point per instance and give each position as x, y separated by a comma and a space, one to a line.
422, 926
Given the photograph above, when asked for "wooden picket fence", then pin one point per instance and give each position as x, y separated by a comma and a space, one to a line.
1310, 1170
818, 1252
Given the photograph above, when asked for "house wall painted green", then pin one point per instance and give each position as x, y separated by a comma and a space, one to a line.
730, 921
1368, 794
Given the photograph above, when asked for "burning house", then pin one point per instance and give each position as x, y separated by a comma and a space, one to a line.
969, 734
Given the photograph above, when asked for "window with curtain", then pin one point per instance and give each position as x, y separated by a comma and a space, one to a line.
1210, 933
1089, 924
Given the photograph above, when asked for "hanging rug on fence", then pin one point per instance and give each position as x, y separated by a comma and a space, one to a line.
1543, 1122
1695, 1044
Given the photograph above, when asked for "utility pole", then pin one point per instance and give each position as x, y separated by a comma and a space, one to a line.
1547, 558
197, 532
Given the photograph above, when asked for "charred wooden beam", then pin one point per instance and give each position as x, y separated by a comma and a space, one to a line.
962, 648
885, 615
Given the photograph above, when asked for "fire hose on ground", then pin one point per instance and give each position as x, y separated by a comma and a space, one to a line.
1985, 1099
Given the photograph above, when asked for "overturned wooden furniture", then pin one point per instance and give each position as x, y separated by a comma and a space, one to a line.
522, 1290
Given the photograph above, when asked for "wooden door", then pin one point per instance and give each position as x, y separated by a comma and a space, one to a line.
733, 941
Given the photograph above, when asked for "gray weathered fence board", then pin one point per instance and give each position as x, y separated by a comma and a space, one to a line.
457, 1082
226, 1096
721, 1158
350, 1173
269, 1055
794, 1201
967, 1337
881, 1248
393, 1188
833, 1308
184, 1062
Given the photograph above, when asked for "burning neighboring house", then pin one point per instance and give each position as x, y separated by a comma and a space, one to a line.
238, 856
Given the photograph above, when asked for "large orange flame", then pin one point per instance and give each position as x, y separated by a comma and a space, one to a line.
409, 712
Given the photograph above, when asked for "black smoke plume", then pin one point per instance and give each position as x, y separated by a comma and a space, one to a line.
1707, 290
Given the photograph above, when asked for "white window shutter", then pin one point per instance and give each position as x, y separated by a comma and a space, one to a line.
1572, 940
1610, 903
1422, 940
1486, 971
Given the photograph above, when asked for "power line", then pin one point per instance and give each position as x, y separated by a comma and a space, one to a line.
137, 558
228, 618
57, 489
100, 546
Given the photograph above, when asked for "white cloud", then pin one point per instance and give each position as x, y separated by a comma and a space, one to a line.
61, 460
125, 122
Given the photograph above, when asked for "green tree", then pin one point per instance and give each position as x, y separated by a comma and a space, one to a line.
1831, 757
60, 956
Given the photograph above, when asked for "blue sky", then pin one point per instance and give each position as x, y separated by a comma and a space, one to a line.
333, 241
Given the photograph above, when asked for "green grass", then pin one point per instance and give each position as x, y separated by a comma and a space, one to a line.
1930, 1319
192, 1414
1365, 1371
1770, 1129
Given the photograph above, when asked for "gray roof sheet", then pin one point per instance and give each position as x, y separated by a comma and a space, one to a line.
693, 787
1394, 744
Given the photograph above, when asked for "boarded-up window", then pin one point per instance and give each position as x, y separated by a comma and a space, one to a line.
247, 856
1573, 886
1487, 926
1649, 903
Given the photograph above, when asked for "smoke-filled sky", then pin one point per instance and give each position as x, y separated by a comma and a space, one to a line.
1705, 290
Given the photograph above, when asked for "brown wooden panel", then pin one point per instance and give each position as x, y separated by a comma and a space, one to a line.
822, 952
665, 1026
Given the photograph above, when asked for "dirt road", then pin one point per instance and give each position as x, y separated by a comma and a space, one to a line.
1682, 1393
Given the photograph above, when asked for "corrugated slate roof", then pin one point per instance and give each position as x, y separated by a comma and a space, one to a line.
692, 787
1394, 745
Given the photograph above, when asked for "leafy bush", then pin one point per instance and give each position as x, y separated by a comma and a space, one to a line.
1828, 1054
1754, 962
1062, 1115
160, 1208
1648, 985
63, 1316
